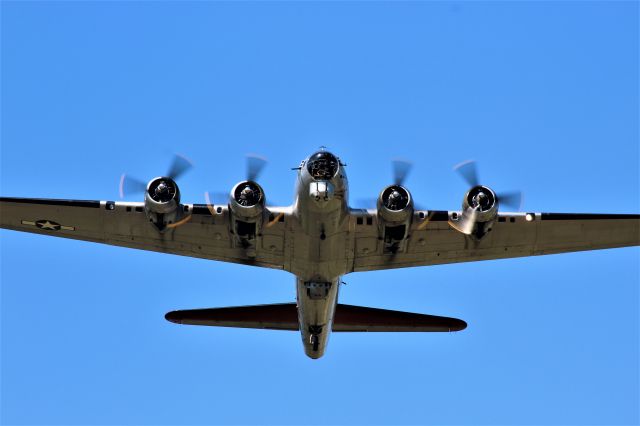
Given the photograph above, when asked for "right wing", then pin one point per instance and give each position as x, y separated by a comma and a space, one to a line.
434, 240
203, 232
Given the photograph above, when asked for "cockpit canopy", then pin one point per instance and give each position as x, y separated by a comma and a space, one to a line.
323, 165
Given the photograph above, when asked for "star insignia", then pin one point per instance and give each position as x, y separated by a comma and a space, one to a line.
48, 225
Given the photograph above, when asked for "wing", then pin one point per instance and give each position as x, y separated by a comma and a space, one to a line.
433, 241
202, 232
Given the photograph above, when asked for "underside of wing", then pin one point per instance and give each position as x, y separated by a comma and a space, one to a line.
201, 231
285, 317
435, 239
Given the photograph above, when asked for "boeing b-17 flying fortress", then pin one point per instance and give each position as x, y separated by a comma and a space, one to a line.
319, 239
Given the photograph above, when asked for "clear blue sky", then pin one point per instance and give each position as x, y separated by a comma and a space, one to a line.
543, 94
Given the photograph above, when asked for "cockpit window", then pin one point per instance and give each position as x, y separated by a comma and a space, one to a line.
322, 165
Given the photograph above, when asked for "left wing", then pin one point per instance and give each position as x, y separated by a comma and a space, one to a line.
432, 239
202, 232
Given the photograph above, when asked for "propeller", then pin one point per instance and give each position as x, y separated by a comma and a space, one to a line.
466, 225
255, 166
511, 199
401, 169
179, 166
130, 185
468, 170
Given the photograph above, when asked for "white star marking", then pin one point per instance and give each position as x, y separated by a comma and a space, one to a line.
48, 225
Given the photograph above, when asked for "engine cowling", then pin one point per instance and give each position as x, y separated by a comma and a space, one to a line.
395, 204
161, 202
479, 211
247, 204
395, 210
247, 200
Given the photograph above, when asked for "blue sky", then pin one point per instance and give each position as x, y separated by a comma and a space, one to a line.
543, 94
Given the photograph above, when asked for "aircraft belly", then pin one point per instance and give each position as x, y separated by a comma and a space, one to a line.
313, 256
318, 266
316, 308
318, 260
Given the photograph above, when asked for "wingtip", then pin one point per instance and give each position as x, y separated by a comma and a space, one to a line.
173, 317
458, 325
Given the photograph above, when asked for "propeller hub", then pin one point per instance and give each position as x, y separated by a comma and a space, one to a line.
162, 187
162, 190
481, 198
248, 194
395, 198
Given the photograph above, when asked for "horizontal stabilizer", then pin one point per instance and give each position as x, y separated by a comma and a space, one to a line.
284, 316
360, 318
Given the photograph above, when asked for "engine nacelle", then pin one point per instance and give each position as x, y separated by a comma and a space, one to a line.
247, 204
395, 211
247, 200
162, 201
479, 211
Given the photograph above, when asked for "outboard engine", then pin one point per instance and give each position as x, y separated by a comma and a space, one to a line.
247, 201
162, 202
395, 210
479, 211
480, 204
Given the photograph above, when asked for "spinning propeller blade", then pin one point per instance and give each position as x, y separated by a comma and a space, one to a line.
469, 172
466, 227
255, 165
179, 166
401, 169
511, 199
130, 185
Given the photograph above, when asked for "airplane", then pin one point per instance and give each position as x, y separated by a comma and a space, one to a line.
319, 239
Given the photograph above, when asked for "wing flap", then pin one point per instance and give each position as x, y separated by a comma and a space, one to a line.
285, 317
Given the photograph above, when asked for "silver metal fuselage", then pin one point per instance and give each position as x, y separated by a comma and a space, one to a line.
320, 214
